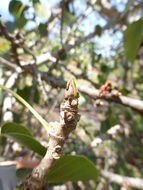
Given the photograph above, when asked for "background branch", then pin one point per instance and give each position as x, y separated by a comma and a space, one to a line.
122, 180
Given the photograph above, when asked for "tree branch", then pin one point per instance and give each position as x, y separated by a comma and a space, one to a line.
93, 93
58, 135
122, 180
7, 102
111, 133
16, 41
8, 64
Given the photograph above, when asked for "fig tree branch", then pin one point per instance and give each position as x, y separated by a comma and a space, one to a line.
93, 93
57, 137
122, 180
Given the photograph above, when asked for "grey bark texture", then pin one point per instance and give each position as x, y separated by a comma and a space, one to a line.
58, 135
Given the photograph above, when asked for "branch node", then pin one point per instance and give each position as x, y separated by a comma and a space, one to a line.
56, 137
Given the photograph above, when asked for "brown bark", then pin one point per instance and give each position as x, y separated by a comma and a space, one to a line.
58, 135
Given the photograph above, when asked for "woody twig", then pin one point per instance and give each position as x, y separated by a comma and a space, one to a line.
58, 135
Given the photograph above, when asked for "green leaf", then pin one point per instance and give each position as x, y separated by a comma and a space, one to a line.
110, 121
69, 19
10, 26
133, 37
56, 48
22, 173
23, 136
20, 22
43, 68
4, 45
82, 101
72, 168
14, 6
25, 93
68, 168
98, 30
13, 127
34, 1
17, 9
33, 111
42, 28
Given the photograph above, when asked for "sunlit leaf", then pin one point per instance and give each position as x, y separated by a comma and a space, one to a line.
23, 136
55, 48
72, 168
43, 68
42, 11
133, 37
17, 9
4, 45
35, 1
14, 6
20, 22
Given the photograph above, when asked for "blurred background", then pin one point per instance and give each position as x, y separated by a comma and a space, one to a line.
47, 42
